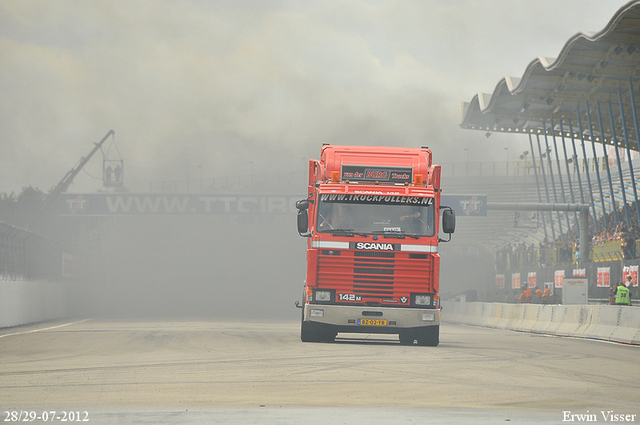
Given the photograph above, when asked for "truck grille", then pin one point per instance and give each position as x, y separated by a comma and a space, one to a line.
375, 274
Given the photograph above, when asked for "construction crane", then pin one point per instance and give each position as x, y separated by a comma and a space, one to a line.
66, 181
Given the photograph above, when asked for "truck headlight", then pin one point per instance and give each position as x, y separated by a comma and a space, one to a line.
316, 313
428, 317
423, 299
323, 296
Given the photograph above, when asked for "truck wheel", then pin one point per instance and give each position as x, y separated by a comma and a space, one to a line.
309, 332
429, 336
406, 338
328, 335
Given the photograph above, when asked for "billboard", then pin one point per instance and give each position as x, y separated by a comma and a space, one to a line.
466, 205
197, 204
213, 204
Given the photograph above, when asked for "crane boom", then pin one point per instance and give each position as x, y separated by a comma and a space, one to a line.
66, 181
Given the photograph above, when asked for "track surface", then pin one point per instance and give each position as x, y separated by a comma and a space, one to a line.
170, 371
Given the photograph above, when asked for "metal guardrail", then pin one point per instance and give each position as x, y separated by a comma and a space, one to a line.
515, 167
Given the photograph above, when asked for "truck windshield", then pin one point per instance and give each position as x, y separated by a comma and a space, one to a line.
383, 214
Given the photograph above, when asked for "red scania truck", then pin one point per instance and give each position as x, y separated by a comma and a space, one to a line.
372, 218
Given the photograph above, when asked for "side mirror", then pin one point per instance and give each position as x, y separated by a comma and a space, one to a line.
448, 221
303, 222
303, 204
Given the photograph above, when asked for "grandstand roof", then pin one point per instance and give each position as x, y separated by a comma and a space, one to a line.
591, 67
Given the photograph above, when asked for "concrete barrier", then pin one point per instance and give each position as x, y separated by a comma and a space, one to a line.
545, 313
23, 302
528, 317
628, 329
506, 315
605, 322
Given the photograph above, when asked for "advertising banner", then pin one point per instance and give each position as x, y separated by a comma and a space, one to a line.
630, 270
604, 274
500, 281
100, 204
151, 204
559, 276
515, 280
466, 205
531, 279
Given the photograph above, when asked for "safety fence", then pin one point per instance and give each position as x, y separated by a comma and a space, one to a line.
28, 256
603, 322
31, 272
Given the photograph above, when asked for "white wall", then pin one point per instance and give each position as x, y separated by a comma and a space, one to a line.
606, 322
23, 302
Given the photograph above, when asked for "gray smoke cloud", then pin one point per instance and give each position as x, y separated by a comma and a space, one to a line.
199, 88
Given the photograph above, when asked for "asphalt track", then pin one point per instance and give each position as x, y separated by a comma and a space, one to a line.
207, 371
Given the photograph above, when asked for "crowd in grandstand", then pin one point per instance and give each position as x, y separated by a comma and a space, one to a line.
565, 249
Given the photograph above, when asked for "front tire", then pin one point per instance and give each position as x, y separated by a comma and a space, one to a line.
429, 336
309, 332
406, 338
316, 332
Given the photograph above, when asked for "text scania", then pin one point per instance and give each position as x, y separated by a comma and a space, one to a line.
381, 199
372, 245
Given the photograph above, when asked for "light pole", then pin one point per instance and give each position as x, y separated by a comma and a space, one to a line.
467, 151
507, 166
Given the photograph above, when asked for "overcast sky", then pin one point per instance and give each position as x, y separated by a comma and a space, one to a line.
215, 87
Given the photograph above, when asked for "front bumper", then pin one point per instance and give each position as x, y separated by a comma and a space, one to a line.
345, 318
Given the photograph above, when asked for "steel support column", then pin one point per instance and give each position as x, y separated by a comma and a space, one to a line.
584, 153
555, 147
606, 162
566, 163
546, 187
535, 170
615, 142
553, 183
575, 162
595, 161
626, 143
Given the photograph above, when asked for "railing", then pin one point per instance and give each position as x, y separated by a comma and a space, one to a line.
562, 255
520, 167
607, 251
535, 257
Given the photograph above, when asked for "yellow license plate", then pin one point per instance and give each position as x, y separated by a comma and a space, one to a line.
372, 322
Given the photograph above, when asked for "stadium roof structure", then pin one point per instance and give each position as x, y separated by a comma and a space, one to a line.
594, 73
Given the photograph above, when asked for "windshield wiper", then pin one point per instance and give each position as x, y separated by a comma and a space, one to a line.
395, 234
347, 232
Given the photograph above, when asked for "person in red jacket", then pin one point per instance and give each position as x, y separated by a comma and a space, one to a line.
538, 296
525, 295
545, 295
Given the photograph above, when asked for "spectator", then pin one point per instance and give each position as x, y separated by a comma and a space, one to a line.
538, 296
545, 295
525, 295
622, 295
612, 293
629, 283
